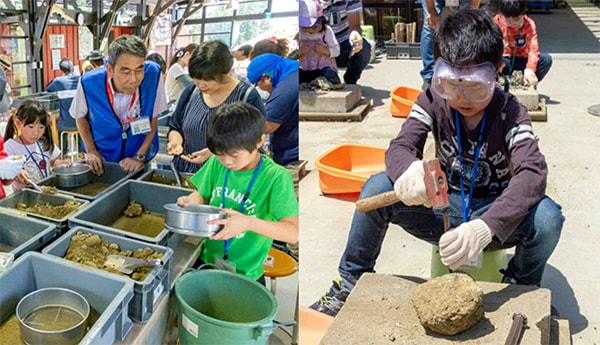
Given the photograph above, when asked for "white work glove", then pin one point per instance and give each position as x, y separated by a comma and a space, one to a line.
465, 243
530, 77
10, 167
357, 42
410, 187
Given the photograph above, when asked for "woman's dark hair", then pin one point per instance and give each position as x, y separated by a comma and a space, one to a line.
235, 126
246, 49
179, 53
279, 46
156, 57
469, 37
29, 112
512, 8
211, 61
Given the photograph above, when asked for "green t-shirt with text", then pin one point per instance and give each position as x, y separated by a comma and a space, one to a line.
272, 198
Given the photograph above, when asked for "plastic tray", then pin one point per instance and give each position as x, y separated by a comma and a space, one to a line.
103, 212
168, 173
106, 293
344, 169
25, 234
403, 98
29, 196
147, 292
113, 175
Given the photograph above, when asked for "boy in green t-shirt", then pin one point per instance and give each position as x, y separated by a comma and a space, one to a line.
259, 197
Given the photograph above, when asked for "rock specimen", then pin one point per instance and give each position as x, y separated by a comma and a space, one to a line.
449, 304
134, 209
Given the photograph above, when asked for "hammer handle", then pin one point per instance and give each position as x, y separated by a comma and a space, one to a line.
377, 201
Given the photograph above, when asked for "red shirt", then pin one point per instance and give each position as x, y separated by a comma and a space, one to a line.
524, 40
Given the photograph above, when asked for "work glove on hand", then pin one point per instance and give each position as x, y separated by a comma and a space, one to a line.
530, 77
357, 42
410, 187
459, 246
10, 167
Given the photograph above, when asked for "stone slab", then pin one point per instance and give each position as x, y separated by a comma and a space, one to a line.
355, 114
541, 114
530, 98
379, 311
333, 101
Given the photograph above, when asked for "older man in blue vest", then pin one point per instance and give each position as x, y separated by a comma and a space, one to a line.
116, 107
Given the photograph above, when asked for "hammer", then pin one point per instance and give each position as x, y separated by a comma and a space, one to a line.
436, 188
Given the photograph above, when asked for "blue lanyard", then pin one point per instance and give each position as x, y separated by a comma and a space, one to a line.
241, 209
466, 206
42, 170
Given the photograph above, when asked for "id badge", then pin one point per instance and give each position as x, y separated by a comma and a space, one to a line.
140, 126
225, 265
452, 3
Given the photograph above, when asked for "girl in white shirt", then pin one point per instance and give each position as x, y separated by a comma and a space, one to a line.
177, 76
29, 134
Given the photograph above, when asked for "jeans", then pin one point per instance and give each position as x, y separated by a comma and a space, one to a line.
535, 238
543, 66
327, 72
356, 64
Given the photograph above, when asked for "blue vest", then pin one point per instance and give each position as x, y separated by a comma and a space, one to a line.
105, 124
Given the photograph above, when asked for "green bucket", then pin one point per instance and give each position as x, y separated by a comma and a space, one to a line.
217, 307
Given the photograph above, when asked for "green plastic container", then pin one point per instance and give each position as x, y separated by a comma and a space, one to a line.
493, 261
222, 308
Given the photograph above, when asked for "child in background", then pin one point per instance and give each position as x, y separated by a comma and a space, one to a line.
31, 136
241, 60
318, 46
521, 51
178, 77
255, 193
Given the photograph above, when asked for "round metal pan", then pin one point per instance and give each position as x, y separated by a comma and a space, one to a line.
192, 219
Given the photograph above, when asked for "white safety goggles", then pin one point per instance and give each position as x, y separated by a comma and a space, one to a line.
476, 81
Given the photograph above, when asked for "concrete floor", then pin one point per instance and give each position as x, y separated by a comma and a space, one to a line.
568, 140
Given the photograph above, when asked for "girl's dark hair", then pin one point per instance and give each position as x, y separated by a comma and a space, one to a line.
246, 49
469, 37
156, 57
179, 53
29, 112
211, 61
235, 126
512, 8
279, 46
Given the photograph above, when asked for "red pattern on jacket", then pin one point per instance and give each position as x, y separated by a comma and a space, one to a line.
3, 155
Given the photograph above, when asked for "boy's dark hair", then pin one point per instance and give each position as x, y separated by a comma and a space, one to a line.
211, 61
29, 112
156, 57
469, 37
246, 49
235, 126
126, 44
512, 8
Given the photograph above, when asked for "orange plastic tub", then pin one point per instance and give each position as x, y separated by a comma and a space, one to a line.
345, 168
403, 98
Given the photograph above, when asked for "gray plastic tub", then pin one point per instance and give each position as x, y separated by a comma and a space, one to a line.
22, 234
30, 197
168, 173
103, 212
113, 175
146, 293
108, 294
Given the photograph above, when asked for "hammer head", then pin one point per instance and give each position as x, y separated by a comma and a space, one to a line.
436, 185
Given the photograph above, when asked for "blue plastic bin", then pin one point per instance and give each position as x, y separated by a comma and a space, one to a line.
106, 293
22, 234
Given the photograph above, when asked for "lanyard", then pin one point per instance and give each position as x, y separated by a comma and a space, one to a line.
241, 209
111, 101
41, 165
466, 206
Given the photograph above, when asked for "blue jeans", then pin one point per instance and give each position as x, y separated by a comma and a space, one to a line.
543, 66
356, 64
535, 238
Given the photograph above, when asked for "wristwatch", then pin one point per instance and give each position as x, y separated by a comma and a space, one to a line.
140, 157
